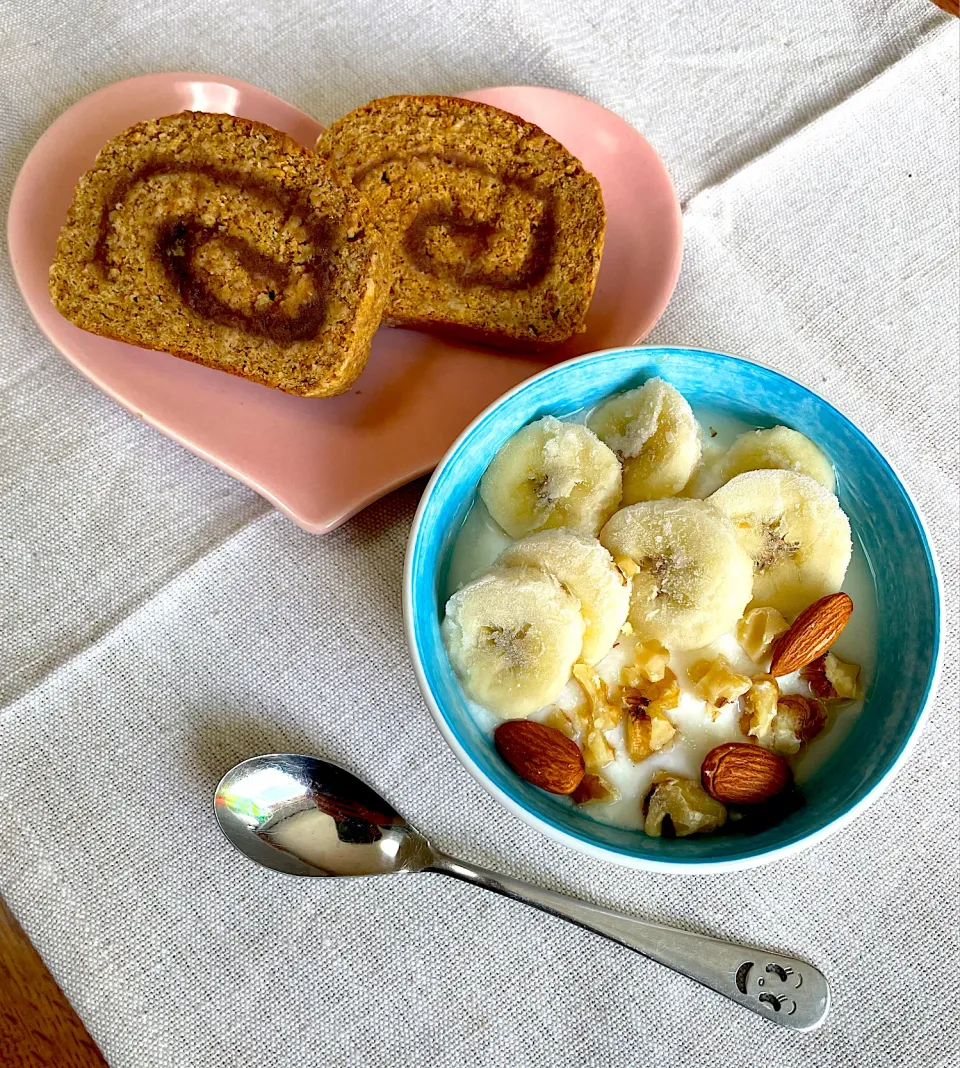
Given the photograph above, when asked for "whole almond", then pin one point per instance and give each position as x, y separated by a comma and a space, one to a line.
811, 634
740, 773
540, 754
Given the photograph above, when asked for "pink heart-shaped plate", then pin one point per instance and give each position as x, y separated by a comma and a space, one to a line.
320, 460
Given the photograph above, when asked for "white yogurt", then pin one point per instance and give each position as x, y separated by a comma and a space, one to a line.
481, 541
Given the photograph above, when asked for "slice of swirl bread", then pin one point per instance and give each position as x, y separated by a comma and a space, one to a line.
225, 242
496, 230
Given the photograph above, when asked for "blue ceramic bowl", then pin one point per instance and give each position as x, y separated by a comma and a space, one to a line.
881, 513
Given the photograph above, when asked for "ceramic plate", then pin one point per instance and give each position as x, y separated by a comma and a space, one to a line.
320, 460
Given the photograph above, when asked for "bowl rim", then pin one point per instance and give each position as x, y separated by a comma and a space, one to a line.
584, 843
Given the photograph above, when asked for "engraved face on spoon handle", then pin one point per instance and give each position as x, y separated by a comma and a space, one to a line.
779, 988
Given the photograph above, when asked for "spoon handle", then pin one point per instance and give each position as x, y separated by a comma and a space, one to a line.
779, 988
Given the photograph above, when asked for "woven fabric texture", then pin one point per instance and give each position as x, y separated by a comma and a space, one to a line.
160, 621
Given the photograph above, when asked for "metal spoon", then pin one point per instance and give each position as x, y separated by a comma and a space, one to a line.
305, 816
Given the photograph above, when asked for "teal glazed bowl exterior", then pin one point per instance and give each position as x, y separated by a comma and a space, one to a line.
883, 518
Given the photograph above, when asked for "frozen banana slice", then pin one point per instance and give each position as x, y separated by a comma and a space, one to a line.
795, 533
587, 570
778, 448
552, 474
513, 636
693, 580
654, 432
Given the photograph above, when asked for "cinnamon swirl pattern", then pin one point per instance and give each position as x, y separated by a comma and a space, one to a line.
223, 242
474, 235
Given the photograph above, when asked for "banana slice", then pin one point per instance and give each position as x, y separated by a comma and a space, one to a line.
552, 474
587, 570
654, 432
794, 531
513, 636
694, 579
778, 448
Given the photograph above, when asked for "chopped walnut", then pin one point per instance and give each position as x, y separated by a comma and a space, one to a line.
649, 665
796, 720
597, 751
628, 566
646, 726
698, 669
645, 735
685, 803
843, 677
568, 723
758, 630
654, 698
832, 679
717, 683
759, 705
603, 712
803, 716
815, 676
595, 788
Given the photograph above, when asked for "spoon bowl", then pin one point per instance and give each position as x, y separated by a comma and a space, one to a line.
304, 816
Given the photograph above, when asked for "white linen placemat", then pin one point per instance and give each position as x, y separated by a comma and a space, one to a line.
159, 621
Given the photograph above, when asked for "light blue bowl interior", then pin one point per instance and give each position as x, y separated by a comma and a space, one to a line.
880, 512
